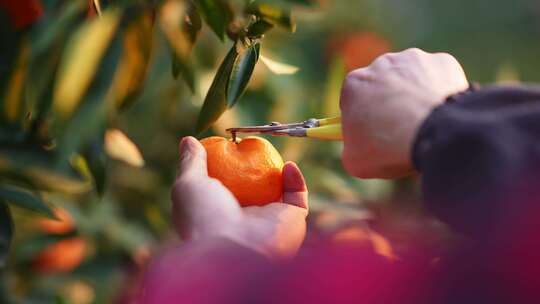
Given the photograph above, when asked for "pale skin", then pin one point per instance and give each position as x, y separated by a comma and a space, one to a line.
382, 107
384, 104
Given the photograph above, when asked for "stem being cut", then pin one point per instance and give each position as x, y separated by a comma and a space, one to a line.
233, 134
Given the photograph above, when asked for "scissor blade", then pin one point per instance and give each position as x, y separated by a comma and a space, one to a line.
264, 129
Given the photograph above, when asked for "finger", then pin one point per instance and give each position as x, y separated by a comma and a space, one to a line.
294, 187
192, 158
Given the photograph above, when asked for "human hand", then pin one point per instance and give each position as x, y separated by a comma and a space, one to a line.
384, 104
203, 208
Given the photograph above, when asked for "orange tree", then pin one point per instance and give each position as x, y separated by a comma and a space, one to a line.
69, 68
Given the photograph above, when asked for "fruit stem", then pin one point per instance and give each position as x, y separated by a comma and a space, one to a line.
233, 134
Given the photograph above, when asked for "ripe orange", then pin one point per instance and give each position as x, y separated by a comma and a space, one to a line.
62, 256
250, 168
63, 224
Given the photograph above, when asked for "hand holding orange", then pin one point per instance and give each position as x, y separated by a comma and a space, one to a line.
274, 221
251, 168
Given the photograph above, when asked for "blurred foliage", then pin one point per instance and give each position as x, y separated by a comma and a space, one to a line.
94, 96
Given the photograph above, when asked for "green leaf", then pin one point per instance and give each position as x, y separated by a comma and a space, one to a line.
217, 14
133, 64
81, 60
34, 244
192, 23
181, 33
241, 73
89, 116
97, 162
6, 233
278, 68
60, 300
54, 28
259, 28
47, 44
215, 102
275, 15
11, 43
13, 98
24, 199
37, 167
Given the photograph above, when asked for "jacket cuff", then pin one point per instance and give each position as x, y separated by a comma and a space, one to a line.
425, 136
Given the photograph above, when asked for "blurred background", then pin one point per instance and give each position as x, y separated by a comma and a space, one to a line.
98, 98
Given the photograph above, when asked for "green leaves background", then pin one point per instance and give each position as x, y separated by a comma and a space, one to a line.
77, 70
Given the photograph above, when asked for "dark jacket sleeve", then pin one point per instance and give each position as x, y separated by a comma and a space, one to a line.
479, 156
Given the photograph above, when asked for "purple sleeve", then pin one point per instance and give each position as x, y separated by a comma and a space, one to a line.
211, 271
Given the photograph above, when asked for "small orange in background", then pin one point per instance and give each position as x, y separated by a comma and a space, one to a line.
250, 168
359, 49
62, 225
365, 236
61, 256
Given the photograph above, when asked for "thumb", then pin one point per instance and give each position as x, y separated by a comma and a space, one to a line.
294, 187
192, 158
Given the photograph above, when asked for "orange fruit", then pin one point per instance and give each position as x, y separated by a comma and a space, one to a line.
250, 168
61, 256
64, 223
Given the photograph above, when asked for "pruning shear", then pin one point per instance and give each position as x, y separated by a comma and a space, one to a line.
324, 128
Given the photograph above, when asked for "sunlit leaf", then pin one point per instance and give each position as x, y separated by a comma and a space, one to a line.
79, 164
82, 59
172, 15
14, 97
217, 14
97, 6
272, 14
278, 67
215, 102
6, 233
241, 73
24, 199
47, 44
90, 117
259, 28
118, 146
132, 68
12, 40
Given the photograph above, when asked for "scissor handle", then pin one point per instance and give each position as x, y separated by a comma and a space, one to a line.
326, 131
329, 121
